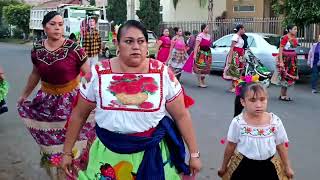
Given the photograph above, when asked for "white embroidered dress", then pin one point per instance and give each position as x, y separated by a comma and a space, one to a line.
257, 143
130, 103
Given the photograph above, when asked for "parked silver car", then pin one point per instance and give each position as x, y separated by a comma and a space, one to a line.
263, 46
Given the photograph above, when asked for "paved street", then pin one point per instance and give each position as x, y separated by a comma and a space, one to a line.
19, 158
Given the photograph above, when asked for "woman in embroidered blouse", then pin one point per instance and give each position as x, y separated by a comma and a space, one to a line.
135, 138
287, 70
254, 136
56, 63
178, 53
164, 44
235, 61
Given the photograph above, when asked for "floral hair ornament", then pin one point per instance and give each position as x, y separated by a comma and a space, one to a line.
244, 80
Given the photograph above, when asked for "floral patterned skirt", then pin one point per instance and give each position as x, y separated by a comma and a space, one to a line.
45, 117
105, 164
232, 71
287, 75
202, 64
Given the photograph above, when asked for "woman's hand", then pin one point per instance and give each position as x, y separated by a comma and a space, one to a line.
289, 172
222, 171
66, 163
22, 99
195, 165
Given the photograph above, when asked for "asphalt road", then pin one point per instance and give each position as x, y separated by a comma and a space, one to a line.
212, 113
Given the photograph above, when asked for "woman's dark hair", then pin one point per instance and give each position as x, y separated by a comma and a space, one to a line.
135, 24
255, 87
50, 15
238, 27
203, 26
187, 33
288, 28
176, 29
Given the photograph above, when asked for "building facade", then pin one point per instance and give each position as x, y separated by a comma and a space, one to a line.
186, 10
249, 9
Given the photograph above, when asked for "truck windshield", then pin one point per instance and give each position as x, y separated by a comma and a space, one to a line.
77, 13
82, 13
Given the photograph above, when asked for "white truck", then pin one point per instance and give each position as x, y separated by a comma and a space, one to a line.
72, 15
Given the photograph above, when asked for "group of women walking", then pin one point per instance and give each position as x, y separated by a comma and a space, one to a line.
127, 117
174, 53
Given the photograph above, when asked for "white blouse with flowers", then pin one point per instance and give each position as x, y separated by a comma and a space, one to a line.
257, 143
130, 103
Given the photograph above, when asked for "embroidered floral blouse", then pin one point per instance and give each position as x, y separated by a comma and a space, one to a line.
128, 102
257, 143
59, 66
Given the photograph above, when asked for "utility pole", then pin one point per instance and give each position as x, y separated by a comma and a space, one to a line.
104, 3
210, 15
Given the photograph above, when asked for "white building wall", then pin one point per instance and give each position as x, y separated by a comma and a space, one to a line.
190, 10
186, 10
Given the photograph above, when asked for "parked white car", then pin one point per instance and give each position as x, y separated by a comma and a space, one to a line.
263, 46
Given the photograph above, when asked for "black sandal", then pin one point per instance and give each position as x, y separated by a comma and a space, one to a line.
285, 98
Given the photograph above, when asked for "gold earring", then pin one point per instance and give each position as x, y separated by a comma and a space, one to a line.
117, 52
148, 53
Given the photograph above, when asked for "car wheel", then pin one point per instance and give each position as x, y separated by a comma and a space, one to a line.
107, 53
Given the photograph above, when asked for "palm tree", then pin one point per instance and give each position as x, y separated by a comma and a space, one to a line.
202, 3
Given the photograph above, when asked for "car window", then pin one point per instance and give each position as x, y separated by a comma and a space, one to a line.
224, 42
251, 42
273, 40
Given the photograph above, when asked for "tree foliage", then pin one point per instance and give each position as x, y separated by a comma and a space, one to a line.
4, 3
18, 15
299, 12
92, 2
117, 11
149, 14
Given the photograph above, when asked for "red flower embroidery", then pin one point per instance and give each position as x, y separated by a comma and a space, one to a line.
130, 89
154, 64
105, 64
146, 105
147, 80
273, 129
116, 89
152, 88
129, 76
248, 130
261, 132
116, 78
171, 75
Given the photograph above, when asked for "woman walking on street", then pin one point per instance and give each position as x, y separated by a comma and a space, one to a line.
164, 44
235, 61
135, 138
202, 55
178, 53
57, 63
286, 69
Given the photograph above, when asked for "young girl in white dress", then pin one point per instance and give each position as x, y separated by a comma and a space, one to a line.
254, 138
